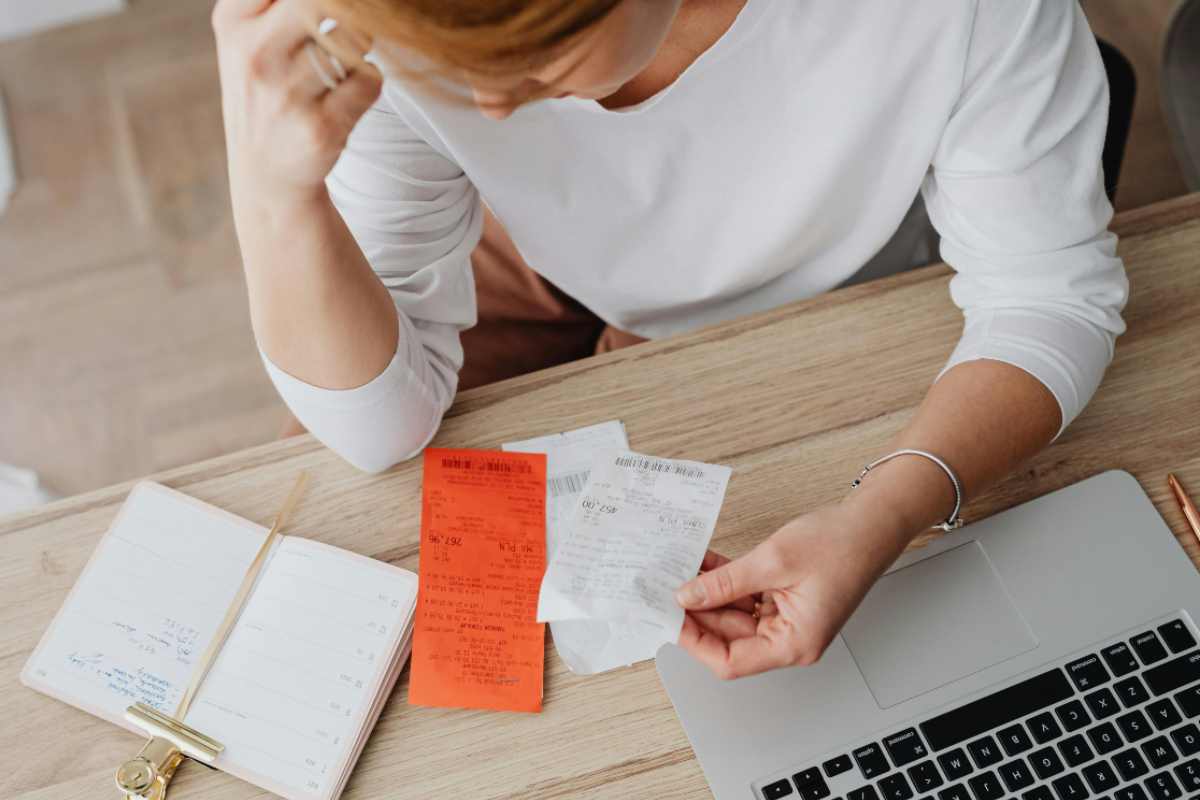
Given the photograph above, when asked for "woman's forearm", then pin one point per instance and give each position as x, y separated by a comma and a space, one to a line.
319, 312
984, 418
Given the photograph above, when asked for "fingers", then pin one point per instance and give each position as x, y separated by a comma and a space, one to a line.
755, 654
728, 623
713, 560
308, 76
229, 11
354, 96
736, 658
278, 40
729, 582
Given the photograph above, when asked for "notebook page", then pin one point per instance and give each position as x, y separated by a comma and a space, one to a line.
297, 679
145, 606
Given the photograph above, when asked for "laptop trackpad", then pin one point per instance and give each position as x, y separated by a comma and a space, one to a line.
934, 622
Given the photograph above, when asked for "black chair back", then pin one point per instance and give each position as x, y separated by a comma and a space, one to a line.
1122, 89
1181, 88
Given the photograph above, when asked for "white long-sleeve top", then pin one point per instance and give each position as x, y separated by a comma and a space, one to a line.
780, 161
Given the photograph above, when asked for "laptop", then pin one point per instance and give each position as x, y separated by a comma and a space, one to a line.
1047, 653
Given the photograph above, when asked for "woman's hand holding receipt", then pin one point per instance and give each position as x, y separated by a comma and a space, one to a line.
811, 575
782, 603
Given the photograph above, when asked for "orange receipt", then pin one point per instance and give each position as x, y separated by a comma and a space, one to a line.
476, 642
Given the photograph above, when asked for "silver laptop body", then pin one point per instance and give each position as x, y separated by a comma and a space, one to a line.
1046, 653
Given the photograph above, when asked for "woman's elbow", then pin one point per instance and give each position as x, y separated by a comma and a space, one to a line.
378, 454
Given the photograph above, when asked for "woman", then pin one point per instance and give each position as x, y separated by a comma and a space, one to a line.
689, 161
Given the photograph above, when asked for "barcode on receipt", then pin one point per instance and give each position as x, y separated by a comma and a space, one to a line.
567, 484
486, 465
653, 465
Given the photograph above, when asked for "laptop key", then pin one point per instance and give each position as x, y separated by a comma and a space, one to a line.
955, 791
1134, 725
984, 752
985, 786
814, 791
1163, 714
1075, 750
955, 764
836, 766
1148, 648
776, 790
1131, 691
1130, 764
1073, 715
1189, 701
1044, 728
863, 793
1174, 674
1104, 738
810, 784
1177, 636
895, 787
1100, 776
1014, 740
1163, 787
905, 747
870, 760
924, 776
1187, 739
1087, 672
1102, 702
1015, 774
1069, 787
1189, 775
997, 709
1038, 793
1120, 659
1131, 792
1159, 752
1046, 763
806, 776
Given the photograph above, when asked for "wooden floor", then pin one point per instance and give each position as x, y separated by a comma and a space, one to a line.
124, 340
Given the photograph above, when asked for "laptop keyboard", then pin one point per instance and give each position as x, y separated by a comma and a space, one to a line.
1117, 724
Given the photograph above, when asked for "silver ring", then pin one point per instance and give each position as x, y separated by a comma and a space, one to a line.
338, 69
317, 61
325, 27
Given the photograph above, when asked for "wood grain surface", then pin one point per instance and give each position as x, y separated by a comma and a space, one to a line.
795, 400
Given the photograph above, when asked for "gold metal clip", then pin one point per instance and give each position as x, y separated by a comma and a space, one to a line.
147, 775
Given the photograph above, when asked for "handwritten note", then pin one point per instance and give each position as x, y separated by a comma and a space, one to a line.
639, 532
477, 643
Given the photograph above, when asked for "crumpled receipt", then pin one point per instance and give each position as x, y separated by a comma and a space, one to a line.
639, 531
586, 646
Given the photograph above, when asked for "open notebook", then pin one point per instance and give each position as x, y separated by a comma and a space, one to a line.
302, 677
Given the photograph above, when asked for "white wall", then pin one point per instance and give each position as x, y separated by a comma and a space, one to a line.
20, 17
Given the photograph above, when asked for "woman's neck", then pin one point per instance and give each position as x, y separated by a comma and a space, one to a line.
697, 27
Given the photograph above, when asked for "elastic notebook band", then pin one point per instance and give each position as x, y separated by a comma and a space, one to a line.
200, 671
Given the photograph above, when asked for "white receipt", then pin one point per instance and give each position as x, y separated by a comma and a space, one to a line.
639, 532
569, 457
586, 646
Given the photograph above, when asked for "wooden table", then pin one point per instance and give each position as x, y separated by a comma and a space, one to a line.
795, 400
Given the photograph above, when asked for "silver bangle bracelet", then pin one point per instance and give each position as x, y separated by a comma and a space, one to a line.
954, 521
